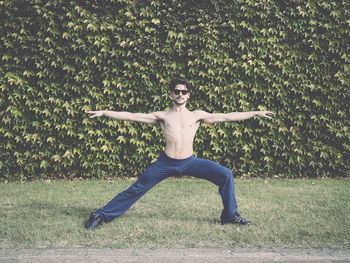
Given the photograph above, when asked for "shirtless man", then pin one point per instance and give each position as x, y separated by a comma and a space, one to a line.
179, 126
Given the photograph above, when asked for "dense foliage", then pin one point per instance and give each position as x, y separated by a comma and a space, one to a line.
60, 58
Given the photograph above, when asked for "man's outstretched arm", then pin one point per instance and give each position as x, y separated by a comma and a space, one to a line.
209, 118
126, 116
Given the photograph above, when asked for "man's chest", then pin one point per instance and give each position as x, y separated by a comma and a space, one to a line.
180, 121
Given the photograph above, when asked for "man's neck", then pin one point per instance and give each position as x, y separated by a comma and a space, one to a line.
179, 108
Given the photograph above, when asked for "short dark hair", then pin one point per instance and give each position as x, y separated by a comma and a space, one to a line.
182, 81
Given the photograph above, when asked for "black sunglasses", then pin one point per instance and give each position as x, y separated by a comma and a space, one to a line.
178, 91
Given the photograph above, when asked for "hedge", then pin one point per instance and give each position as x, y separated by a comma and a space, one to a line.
60, 58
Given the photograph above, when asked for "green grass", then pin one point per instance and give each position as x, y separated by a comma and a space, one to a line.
178, 213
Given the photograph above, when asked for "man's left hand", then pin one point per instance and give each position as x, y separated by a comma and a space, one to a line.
266, 114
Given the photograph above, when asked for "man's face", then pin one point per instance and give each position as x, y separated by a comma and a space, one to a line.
180, 94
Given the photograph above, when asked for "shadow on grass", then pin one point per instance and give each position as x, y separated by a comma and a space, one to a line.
169, 215
53, 209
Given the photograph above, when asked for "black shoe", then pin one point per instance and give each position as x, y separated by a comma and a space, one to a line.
238, 220
94, 221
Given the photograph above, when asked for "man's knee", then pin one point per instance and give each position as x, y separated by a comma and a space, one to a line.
136, 189
226, 173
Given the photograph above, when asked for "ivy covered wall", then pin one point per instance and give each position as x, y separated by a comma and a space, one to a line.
60, 58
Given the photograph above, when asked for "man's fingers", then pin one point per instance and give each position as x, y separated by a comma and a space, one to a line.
93, 113
268, 114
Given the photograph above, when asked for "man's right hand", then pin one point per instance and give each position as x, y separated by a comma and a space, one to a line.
95, 114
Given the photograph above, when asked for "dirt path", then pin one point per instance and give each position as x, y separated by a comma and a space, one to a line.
242, 255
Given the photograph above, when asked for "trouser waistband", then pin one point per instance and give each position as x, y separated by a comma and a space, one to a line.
166, 158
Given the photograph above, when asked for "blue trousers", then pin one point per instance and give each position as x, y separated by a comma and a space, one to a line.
166, 167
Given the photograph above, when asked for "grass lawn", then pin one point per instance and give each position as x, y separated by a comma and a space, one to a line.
178, 213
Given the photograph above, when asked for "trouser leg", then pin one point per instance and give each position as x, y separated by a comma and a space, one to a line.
222, 177
123, 201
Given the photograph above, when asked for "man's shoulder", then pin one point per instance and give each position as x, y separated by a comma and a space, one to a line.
200, 113
158, 114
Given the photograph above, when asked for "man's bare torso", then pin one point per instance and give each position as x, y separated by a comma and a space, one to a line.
179, 130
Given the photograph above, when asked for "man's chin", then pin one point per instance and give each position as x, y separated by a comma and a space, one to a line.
179, 103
